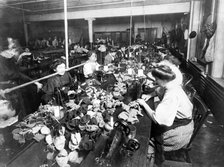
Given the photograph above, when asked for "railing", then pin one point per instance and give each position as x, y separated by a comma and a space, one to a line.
40, 79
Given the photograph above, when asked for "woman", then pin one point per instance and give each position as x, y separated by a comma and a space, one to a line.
24, 100
172, 119
178, 79
109, 58
91, 65
58, 82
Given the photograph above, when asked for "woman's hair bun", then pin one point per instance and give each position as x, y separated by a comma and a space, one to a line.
163, 72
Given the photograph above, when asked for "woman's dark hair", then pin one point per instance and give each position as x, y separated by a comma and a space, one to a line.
90, 53
123, 45
57, 62
163, 72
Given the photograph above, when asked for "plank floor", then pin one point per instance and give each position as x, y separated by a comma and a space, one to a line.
208, 146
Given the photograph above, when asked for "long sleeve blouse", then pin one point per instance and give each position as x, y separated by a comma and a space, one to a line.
56, 82
89, 68
175, 103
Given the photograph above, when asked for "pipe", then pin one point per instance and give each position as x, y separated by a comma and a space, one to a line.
40, 79
213, 10
26, 2
66, 33
8, 6
25, 29
190, 28
131, 25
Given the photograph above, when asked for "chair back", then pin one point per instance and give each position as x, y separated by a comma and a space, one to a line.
200, 113
190, 91
187, 78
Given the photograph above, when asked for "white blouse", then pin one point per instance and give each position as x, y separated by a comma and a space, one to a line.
175, 103
89, 68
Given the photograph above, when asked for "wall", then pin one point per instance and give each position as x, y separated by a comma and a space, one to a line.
111, 27
11, 24
40, 30
210, 91
138, 23
77, 28
153, 24
15, 30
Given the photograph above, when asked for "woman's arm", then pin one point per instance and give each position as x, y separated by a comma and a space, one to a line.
147, 108
49, 87
165, 112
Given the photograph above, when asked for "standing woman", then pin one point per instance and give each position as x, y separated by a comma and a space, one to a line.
172, 125
24, 100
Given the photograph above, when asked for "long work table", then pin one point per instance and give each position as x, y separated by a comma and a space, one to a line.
33, 153
143, 130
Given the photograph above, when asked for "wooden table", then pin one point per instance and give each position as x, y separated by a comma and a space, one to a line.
32, 153
14, 154
139, 158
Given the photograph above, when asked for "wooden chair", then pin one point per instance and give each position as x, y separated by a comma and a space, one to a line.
190, 91
181, 157
187, 78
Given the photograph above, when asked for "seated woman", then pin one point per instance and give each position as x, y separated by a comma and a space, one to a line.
178, 79
172, 119
91, 65
57, 82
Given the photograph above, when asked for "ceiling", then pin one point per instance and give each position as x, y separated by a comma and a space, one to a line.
45, 10
51, 6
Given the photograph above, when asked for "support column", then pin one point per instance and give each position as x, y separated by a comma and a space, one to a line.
218, 63
90, 27
194, 25
66, 33
25, 25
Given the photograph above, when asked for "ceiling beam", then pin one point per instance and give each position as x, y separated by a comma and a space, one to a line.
117, 12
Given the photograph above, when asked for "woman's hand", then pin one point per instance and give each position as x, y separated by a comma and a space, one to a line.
141, 102
39, 86
3, 92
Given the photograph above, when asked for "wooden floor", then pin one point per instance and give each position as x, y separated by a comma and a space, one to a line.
208, 146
